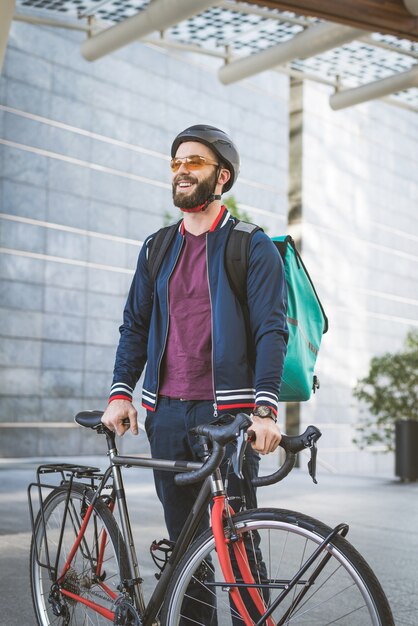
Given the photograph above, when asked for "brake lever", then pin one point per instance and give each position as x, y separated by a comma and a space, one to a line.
312, 462
238, 455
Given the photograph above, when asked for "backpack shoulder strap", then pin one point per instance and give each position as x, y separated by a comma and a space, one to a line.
237, 253
157, 248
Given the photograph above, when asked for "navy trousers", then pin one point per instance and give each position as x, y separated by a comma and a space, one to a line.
168, 433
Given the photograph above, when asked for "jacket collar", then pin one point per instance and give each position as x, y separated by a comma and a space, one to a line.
219, 222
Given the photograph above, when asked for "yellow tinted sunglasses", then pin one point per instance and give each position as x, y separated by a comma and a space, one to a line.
193, 162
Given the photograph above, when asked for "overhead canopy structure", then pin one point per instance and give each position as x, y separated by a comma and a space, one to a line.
159, 15
394, 17
310, 42
365, 49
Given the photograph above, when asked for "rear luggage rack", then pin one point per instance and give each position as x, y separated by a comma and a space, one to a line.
59, 475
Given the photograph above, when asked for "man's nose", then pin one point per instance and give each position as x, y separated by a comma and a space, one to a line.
183, 168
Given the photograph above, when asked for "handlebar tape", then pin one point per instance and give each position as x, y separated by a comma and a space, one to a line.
220, 435
291, 445
208, 468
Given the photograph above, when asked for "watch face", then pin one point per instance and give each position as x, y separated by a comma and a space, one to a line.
263, 411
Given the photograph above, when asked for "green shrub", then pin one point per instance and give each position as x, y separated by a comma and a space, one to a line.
390, 393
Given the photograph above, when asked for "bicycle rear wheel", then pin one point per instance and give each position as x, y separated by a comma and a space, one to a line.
338, 588
102, 538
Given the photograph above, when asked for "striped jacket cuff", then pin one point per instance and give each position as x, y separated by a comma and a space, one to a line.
149, 399
267, 398
121, 391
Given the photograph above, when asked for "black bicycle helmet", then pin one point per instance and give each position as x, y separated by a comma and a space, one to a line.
218, 141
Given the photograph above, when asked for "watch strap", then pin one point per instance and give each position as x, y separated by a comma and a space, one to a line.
265, 411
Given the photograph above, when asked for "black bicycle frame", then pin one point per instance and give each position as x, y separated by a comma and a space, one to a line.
187, 534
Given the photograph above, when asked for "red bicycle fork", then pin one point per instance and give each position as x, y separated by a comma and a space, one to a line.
222, 544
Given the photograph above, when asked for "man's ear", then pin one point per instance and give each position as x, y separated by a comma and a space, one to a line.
223, 176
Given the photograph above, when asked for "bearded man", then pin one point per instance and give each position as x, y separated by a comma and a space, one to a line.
190, 330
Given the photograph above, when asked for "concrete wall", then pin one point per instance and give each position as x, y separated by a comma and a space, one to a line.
360, 234
84, 179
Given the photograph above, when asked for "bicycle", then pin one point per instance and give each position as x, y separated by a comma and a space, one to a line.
262, 566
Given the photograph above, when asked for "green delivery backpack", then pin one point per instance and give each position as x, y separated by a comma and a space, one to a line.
306, 317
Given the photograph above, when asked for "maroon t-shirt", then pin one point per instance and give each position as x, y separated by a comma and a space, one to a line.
186, 370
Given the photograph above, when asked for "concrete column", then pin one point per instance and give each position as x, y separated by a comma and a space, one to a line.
295, 159
295, 206
7, 11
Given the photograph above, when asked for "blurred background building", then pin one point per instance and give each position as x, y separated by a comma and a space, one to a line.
84, 155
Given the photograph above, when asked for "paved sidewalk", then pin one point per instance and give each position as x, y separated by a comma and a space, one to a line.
382, 513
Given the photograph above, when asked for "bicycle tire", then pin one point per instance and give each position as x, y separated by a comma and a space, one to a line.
346, 592
80, 577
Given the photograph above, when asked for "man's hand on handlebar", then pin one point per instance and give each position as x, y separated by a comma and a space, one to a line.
116, 415
267, 434
222, 434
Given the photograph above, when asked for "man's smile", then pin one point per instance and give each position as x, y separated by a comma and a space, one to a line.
184, 183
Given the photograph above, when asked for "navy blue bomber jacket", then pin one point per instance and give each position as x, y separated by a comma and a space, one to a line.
237, 382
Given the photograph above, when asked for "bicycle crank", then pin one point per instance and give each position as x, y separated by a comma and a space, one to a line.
126, 614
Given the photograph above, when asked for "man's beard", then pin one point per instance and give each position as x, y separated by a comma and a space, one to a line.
203, 190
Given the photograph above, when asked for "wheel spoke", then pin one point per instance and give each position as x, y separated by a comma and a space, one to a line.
336, 587
80, 577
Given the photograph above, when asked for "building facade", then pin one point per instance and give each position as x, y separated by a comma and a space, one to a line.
85, 178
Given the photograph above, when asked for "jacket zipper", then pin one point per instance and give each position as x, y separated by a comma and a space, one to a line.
168, 323
215, 405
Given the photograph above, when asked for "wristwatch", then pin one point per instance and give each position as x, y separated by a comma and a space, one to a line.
264, 411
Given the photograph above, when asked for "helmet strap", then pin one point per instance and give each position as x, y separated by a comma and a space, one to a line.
202, 207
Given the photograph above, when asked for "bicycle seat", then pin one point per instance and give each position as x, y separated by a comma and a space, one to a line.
89, 419
224, 433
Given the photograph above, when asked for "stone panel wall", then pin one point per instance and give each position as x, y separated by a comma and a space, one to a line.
84, 179
360, 235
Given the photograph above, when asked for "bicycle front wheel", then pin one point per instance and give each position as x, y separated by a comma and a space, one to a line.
97, 568
338, 587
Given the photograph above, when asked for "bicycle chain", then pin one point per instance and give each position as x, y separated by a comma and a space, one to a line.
102, 596
72, 583
124, 610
